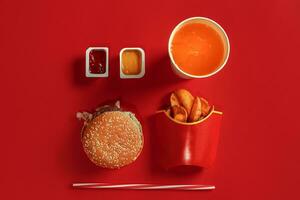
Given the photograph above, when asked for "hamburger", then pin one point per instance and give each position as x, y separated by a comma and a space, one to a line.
111, 138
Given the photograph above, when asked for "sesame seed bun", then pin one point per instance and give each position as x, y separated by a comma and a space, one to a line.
112, 139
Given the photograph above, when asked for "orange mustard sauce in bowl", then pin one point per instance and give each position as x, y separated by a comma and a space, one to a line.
131, 62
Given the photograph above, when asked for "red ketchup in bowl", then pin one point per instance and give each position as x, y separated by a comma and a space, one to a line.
97, 61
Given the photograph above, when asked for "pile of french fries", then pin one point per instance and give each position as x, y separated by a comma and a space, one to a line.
187, 108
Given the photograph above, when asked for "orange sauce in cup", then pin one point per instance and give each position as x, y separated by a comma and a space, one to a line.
198, 49
131, 62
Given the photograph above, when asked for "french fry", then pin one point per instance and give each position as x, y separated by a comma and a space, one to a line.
185, 99
205, 107
174, 100
179, 113
195, 111
186, 108
169, 112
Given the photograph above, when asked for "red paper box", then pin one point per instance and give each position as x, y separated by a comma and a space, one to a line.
187, 144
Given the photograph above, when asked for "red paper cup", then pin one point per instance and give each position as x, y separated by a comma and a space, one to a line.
187, 144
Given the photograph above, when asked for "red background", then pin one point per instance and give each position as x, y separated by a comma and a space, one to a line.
42, 84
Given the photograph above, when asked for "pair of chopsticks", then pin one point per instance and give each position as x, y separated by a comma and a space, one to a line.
141, 186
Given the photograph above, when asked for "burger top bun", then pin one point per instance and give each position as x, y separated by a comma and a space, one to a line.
112, 139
